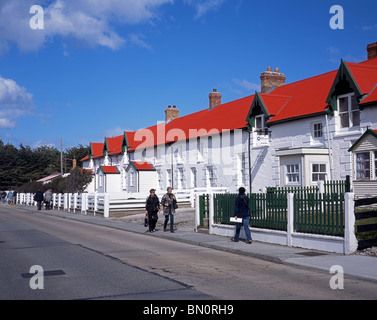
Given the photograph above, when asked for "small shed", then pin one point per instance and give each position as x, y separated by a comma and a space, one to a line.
364, 156
141, 177
109, 179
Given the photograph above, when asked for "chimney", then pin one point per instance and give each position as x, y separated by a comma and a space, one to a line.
74, 163
272, 80
214, 99
372, 50
171, 114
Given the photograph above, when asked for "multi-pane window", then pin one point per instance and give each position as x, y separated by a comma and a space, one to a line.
319, 172
132, 179
349, 111
375, 165
169, 177
363, 165
194, 183
317, 130
260, 125
211, 176
293, 173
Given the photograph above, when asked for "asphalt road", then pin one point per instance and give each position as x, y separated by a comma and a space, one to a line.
106, 263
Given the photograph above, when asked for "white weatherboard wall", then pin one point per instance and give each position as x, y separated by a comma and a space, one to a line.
147, 180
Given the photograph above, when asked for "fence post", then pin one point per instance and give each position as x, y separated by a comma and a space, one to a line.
290, 217
106, 205
66, 199
350, 241
192, 198
211, 205
84, 202
197, 212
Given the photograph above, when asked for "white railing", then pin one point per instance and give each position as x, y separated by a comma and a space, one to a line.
104, 203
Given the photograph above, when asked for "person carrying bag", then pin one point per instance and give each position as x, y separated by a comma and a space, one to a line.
242, 211
152, 208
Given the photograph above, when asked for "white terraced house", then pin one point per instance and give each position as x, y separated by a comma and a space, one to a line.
287, 135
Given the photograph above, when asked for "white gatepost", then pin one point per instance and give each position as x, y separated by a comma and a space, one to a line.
95, 203
211, 212
350, 241
197, 212
75, 202
84, 202
106, 205
66, 201
192, 198
290, 219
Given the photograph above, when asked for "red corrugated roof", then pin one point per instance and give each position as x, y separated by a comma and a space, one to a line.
305, 97
109, 169
97, 149
372, 97
298, 99
225, 117
143, 166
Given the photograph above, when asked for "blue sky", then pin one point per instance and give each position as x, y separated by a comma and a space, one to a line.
101, 67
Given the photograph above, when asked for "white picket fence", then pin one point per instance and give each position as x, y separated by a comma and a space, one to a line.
106, 203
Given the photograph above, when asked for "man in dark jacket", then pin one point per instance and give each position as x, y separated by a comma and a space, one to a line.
39, 198
152, 208
242, 211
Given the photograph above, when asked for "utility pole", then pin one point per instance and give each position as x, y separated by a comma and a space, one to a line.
61, 155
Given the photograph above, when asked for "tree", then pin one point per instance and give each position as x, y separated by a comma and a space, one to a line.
77, 181
20, 166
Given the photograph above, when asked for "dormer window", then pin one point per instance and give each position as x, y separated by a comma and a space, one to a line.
260, 125
349, 111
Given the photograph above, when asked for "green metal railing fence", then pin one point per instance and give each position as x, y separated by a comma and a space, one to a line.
319, 213
269, 210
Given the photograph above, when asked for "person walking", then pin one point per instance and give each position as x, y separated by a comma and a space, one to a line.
4, 197
39, 198
152, 208
48, 199
10, 197
242, 211
169, 203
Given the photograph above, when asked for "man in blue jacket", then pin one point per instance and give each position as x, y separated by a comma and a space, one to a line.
242, 211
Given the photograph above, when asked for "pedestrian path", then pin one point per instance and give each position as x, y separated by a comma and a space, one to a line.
363, 267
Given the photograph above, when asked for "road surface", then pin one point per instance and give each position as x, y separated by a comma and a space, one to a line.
99, 262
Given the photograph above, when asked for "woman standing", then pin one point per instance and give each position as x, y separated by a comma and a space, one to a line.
152, 208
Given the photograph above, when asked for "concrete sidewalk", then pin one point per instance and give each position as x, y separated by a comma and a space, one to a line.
362, 267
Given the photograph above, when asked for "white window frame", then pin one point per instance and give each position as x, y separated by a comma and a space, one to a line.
211, 177
372, 165
169, 180
260, 130
194, 177
132, 178
287, 168
350, 112
319, 163
314, 130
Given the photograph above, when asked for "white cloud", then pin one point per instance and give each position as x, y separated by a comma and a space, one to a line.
202, 7
249, 86
15, 102
91, 22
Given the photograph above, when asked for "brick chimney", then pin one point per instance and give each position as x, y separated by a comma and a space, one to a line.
372, 50
271, 80
171, 113
214, 99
